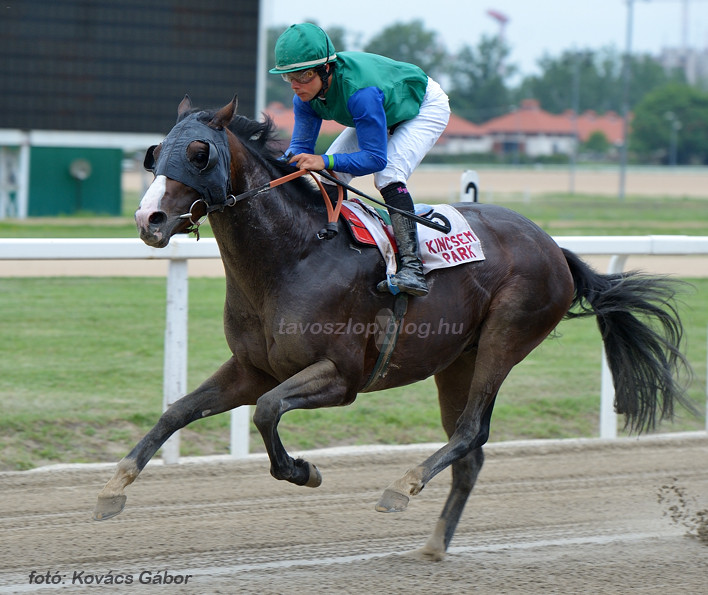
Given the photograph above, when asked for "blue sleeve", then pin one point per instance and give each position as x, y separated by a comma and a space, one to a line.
367, 109
306, 128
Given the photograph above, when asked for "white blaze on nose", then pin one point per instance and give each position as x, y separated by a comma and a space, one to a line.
151, 200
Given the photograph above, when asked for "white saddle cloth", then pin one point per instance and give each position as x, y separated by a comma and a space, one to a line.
437, 250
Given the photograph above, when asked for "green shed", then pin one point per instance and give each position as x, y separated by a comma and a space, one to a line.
70, 180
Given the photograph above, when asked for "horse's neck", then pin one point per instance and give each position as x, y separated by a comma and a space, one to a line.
263, 237
266, 235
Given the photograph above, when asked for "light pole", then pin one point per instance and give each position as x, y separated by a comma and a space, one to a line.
575, 107
674, 127
626, 77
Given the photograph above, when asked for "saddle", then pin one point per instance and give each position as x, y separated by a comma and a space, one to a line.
372, 227
360, 232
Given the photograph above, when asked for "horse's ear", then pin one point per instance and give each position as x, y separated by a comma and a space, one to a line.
184, 106
223, 117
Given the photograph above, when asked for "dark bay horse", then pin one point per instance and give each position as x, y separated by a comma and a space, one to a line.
280, 275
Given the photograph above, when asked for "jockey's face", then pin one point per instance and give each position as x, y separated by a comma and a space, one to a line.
306, 91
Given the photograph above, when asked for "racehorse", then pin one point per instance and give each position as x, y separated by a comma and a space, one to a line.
282, 274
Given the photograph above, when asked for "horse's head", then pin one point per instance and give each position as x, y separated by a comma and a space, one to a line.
192, 170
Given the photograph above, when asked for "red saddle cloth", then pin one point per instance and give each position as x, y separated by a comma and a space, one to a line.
360, 232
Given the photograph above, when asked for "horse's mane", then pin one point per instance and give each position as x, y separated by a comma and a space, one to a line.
260, 136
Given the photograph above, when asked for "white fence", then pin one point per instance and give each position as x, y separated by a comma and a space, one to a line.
180, 250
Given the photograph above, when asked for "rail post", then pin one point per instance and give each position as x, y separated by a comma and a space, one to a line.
240, 431
174, 382
608, 417
469, 186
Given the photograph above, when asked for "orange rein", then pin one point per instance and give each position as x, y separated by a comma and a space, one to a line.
332, 211
328, 232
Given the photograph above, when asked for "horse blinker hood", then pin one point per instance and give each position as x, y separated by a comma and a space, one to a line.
212, 181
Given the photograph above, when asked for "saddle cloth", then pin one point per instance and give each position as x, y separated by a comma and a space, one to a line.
437, 250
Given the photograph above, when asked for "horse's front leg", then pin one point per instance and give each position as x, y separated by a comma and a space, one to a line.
227, 389
318, 385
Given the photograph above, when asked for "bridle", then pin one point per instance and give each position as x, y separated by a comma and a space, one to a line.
200, 208
330, 229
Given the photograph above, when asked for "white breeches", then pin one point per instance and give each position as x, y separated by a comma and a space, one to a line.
409, 143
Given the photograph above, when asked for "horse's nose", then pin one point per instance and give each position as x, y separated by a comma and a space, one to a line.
149, 221
157, 218
149, 212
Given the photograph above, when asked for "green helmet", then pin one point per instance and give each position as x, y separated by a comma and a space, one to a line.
302, 46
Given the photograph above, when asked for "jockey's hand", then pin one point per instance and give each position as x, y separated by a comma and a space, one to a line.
307, 161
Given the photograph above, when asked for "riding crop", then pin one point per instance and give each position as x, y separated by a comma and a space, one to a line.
444, 227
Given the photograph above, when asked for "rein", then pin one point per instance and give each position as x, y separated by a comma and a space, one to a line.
200, 208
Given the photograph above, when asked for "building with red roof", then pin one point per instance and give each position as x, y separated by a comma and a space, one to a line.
462, 137
284, 119
530, 130
610, 124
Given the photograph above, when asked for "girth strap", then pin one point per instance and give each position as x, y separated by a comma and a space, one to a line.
393, 329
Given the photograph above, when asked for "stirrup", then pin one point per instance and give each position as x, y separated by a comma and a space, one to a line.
398, 283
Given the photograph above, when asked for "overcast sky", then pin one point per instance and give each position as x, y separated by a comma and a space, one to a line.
534, 27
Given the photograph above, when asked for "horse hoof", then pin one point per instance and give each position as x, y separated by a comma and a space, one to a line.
392, 501
315, 478
108, 507
426, 554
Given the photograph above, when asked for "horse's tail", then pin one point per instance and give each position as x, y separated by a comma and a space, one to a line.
642, 333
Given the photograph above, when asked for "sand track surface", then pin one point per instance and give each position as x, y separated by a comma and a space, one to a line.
586, 516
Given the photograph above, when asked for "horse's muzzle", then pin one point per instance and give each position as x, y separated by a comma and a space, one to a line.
152, 227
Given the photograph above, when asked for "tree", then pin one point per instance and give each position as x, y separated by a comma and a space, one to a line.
478, 90
596, 144
562, 77
598, 78
654, 122
410, 42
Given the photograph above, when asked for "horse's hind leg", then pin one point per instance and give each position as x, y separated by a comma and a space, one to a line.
223, 391
464, 476
517, 324
470, 428
453, 387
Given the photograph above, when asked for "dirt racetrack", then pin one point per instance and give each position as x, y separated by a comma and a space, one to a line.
584, 516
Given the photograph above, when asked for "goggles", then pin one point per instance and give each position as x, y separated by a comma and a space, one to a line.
300, 76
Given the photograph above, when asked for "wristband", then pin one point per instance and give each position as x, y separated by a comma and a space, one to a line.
329, 161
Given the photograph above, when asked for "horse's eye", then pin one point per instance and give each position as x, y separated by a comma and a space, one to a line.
199, 154
201, 159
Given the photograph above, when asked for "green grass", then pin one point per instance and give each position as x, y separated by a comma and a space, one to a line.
602, 215
81, 358
81, 377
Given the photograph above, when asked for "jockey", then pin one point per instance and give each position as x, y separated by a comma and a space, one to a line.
394, 113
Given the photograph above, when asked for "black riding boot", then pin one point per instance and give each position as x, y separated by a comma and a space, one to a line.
409, 278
